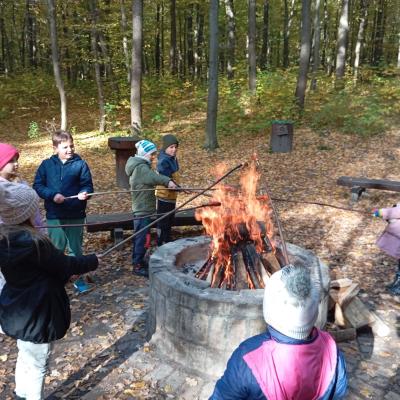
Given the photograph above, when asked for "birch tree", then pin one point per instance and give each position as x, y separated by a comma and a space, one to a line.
93, 44
136, 72
360, 36
252, 46
343, 33
305, 50
317, 36
212, 102
51, 5
230, 38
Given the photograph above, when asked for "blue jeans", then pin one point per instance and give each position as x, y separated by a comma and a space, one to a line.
138, 242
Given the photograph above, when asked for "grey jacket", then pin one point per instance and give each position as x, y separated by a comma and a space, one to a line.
141, 176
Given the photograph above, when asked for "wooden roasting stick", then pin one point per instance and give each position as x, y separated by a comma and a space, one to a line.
171, 212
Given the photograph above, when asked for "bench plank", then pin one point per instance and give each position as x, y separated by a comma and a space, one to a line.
110, 222
366, 183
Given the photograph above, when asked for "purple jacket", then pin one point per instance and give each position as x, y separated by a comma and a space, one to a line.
389, 240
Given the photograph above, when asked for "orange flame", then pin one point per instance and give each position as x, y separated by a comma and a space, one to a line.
239, 208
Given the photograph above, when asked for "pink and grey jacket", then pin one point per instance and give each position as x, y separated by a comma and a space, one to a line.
389, 240
272, 366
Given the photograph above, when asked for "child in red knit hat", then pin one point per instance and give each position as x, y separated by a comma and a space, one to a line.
8, 162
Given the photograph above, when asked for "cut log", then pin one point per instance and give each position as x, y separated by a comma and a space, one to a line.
241, 273
343, 335
379, 328
340, 319
346, 295
358, 314
270, 262
341, 283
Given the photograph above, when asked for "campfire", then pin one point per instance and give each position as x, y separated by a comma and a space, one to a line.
245, 248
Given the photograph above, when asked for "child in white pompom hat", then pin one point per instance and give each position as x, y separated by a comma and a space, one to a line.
292, 359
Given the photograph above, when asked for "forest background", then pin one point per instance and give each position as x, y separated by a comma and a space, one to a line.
326, 64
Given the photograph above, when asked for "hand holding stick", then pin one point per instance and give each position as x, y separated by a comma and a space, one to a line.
172, 211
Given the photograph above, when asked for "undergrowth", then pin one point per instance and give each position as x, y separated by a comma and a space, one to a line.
367, 108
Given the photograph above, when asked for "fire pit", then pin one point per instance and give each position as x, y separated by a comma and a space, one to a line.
206, 293
198, 326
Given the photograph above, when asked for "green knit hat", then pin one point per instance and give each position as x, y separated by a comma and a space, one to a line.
169, 140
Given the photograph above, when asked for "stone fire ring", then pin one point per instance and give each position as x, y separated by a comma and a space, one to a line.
198, 327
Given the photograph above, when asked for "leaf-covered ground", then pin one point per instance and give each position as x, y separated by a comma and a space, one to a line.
108, 323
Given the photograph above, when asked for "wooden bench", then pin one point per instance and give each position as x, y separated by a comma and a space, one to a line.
359, 185
116, 223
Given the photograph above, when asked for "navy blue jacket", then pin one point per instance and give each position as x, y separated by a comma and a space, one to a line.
247, 376
68, 179
167, 165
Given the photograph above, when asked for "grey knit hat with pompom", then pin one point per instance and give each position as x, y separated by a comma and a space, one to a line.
18, 203
291, 300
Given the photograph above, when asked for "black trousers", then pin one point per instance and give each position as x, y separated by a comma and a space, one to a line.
164, 226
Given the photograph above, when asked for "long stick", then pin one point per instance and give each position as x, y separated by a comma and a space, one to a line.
321, 204
214, 204
170, 212
180, 189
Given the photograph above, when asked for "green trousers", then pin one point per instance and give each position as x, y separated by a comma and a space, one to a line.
68, 238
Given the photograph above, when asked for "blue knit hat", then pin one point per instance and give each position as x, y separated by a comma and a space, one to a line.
145, 147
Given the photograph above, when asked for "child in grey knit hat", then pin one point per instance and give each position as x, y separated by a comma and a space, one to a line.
34, 306
292, 359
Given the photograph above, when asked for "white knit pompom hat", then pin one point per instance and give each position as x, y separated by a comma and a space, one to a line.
145, 148
18, 203
291, 301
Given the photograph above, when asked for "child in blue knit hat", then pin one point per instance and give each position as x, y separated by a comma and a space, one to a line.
143, 179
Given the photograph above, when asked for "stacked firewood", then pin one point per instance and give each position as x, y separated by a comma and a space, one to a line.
349, 313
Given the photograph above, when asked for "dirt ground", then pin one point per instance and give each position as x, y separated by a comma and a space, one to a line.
344, 239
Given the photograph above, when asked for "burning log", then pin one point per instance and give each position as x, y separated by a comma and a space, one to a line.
243, 236
240, 270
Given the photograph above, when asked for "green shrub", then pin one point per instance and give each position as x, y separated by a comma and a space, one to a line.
351, 113
33, 130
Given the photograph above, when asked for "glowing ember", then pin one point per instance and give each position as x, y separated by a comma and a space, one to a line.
243, 242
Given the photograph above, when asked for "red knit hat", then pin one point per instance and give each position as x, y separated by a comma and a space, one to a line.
7, 153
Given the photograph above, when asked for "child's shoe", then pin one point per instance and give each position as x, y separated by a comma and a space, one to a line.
82, 287
140, 270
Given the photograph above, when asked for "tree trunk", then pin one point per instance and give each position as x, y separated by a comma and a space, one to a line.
173, 54
162, 38
124, 27
287, 24
136, 74
31, 32
157, 44
56, 64
211, 142
360, 36
199, 37
93, 43
379, 33
265, 44
305, 51
285, 34
343, 33
231, 38
252, 46
398, 53
189, 37
317, 36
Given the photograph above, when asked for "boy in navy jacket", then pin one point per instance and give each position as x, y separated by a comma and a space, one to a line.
167, 165
62, 175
